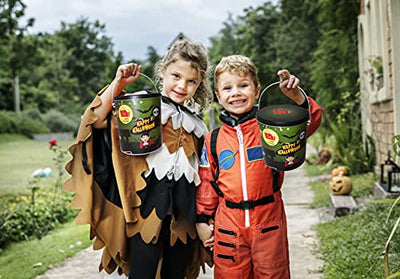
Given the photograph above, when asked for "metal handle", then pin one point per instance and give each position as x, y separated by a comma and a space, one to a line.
141, 74
155, 87
277, 83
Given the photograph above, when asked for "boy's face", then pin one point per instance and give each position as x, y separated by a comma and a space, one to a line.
236, 93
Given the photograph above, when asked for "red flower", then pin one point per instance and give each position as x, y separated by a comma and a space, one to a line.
53, 142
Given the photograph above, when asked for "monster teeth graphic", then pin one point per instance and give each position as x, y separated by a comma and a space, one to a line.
145, 111
294, 136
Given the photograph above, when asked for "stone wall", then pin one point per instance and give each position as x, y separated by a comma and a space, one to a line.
382, 129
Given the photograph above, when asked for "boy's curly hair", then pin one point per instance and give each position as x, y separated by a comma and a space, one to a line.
236, 64
196, 54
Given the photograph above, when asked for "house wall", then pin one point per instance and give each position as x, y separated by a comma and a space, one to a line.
380, 107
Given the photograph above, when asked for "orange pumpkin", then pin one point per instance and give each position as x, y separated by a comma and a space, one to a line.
340, 185
341, 169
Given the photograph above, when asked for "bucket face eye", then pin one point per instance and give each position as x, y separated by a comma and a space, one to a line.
156, 111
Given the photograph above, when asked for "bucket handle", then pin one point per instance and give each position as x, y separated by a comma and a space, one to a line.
277, 83
141, 74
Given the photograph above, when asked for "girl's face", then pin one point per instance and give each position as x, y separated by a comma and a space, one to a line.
180, 81
236, 93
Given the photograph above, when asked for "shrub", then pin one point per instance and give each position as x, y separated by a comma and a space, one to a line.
22, 220
59, 122
18, 123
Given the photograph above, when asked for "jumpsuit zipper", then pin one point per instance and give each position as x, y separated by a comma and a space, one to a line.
243, 174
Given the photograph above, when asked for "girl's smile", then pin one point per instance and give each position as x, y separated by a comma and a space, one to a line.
180, 81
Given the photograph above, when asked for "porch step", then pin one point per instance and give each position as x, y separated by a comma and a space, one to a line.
341, 205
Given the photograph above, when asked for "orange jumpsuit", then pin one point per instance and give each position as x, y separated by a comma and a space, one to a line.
250, 222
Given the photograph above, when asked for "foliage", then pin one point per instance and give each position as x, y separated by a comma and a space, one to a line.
22, 220
33, 215
296, 38
15, 123
360, 158
396, 145
12, 35
56, 121
352, 245
376, 64
334, 73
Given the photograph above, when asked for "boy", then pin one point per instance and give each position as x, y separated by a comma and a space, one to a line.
244, 197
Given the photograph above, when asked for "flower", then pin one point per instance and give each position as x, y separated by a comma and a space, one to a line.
53, 143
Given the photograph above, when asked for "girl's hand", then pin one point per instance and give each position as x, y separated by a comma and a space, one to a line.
126, 74
289, 86
205, 232
209, 243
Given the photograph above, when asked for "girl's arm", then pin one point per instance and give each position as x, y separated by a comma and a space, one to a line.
126, 74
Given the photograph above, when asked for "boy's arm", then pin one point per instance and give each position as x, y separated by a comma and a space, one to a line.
206, 197
315, 114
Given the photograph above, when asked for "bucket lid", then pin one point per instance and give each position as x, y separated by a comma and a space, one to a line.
139, 94
282, 115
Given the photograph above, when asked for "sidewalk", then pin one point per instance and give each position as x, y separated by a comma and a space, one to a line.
302, 239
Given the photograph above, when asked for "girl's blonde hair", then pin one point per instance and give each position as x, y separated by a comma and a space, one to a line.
196, 54
236, 64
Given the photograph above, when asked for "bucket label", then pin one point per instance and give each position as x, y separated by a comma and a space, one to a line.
139, 123
125, 114
270, 137
289, 148
144, 125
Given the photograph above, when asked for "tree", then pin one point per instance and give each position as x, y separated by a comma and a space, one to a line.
334, 72
14, 48
296, 37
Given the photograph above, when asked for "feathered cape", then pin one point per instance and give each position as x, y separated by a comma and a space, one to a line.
112, 189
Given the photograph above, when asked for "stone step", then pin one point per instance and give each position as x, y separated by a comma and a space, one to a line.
341, 205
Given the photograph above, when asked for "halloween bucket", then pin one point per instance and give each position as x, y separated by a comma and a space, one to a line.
139, 121
283, 132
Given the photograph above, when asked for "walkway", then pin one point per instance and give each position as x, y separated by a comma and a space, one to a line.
297, 196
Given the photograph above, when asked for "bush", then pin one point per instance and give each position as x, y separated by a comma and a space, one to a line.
59, 122
22, 220
18, 123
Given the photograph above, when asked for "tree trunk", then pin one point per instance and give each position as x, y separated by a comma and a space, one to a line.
17, 105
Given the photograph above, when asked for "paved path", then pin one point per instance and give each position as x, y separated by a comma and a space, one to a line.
302, 240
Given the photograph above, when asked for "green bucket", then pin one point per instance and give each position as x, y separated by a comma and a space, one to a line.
139, 122
283, 133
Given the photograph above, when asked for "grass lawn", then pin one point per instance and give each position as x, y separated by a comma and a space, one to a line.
20, 157
352, 246
18, 260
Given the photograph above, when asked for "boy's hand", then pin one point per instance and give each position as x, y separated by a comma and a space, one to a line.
289, 86
205, 232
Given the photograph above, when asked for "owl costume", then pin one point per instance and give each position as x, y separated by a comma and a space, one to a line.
121, 196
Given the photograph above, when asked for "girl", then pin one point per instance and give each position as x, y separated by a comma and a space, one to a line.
141, 209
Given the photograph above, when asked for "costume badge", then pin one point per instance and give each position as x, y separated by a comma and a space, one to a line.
204, 163
226, 159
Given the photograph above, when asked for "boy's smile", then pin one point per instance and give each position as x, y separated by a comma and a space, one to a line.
236, 93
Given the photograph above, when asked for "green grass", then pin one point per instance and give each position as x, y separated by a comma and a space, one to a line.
17, 261
20, 157
362, 186
352, 246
